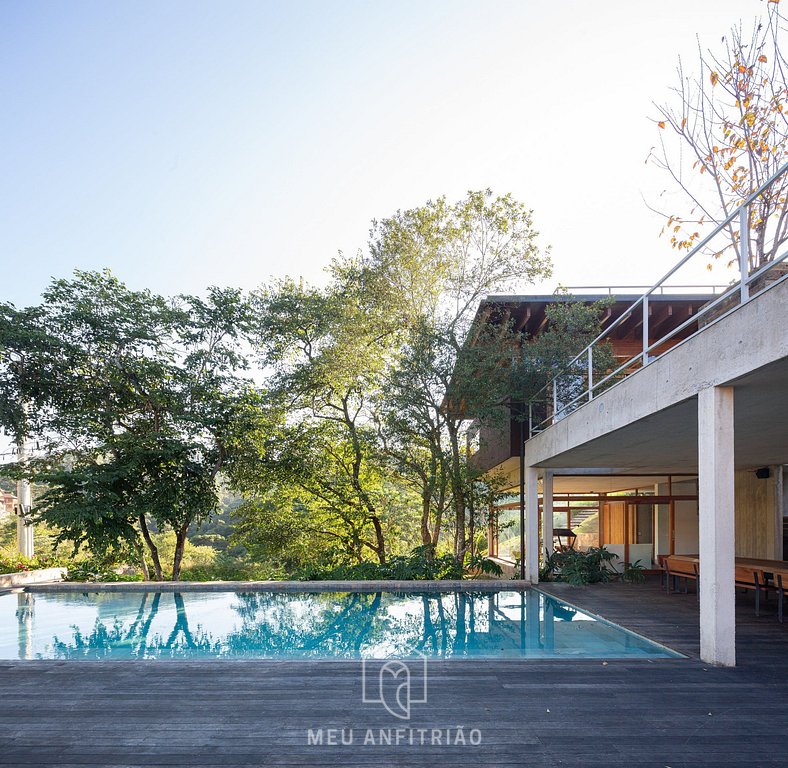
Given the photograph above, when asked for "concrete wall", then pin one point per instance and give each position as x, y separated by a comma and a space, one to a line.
23, 578
759, 514
686, 528
760, 507
662, 544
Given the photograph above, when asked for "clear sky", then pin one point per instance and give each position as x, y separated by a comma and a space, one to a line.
183, 144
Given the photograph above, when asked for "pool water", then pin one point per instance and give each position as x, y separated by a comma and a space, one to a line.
293, 625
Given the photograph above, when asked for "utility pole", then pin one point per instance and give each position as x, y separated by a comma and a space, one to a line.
24, 529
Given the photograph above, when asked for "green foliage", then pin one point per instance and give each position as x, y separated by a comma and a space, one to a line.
484, 565
135, 401
633, 573
12, 562
97, 570
572, 326
225, 567
218, 528
436, 263
592, 566
579, 567
315, 440
347, 446
420, 564
273, 531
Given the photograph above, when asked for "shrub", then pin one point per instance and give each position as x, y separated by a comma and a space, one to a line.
13, 562
225, 567
96, 570
421, 565
578, 568
633, 573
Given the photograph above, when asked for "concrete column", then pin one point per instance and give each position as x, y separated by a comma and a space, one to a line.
547, 512
532, 524
716, 526
24, 531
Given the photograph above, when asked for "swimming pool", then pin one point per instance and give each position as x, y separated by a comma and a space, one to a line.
523, 624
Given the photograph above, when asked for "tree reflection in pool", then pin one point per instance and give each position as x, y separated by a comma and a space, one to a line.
288, 625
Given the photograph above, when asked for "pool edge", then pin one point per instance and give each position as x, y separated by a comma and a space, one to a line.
597, 617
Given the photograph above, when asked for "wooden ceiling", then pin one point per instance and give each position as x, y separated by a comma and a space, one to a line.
666, 312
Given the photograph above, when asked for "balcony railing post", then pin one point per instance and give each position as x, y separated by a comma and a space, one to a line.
645, 331
555, 398
530, 419
744, 253
590, 374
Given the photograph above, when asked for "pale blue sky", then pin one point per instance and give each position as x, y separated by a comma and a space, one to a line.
190, 143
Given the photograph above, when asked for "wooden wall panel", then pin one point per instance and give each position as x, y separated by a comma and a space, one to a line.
757, 507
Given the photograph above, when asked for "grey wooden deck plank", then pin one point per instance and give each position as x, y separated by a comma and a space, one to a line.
254, 713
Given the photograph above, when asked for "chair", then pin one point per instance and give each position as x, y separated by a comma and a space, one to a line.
780, 596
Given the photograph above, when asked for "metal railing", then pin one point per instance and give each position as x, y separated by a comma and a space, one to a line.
578, 382
664, 290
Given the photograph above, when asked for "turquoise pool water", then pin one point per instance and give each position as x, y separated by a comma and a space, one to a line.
292, 625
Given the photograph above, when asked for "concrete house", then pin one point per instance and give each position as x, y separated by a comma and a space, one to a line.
682, 452
638, 517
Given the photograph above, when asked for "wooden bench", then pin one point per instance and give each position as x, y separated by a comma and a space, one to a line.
764, 576
749, 577
679, 568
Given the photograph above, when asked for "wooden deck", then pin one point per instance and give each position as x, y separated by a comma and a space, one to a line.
676, 713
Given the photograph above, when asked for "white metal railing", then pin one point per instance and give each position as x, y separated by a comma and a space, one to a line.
613, 290
579, 372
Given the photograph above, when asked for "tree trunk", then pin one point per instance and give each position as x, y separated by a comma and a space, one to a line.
459, 527
430, 537
440, 509
154, 550
180, 543
143, 562
355, 477
458, 493
436, 530
380, 543
472, 528
426, 536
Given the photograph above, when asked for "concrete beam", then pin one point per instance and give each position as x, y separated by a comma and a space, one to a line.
748, 338
716, 526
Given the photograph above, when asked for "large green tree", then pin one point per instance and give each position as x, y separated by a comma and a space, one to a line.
135, 402
437, 263
324, 352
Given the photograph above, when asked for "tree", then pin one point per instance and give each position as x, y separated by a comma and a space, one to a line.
723, 135
436, 263
411, 422
136, 404
546, 360
325, 350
